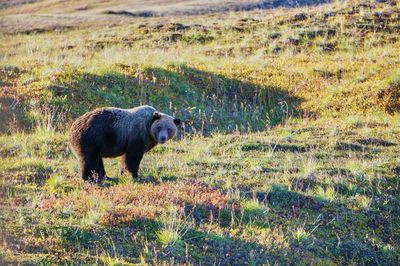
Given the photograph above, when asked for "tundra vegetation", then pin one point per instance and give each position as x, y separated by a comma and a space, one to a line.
289, 152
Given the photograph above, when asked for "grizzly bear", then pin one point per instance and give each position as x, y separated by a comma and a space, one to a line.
113, 132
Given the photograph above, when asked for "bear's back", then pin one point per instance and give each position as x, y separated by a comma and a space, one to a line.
133, 123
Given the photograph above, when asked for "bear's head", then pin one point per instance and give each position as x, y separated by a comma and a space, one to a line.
164, 127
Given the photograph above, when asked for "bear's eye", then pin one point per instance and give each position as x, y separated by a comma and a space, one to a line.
159, 128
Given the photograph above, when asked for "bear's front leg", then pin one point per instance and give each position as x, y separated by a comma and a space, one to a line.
123, 167
133, 157
91, 165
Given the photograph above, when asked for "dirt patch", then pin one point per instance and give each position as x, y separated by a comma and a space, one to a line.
50, 28
390, 98
144, 14
14, 3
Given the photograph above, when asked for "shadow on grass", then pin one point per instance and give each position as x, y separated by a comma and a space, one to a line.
338, 231
342, 146
206, 101
376, 142
274, 147
139, 237
113, 181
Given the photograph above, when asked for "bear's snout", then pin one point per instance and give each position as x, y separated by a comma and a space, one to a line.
163, 139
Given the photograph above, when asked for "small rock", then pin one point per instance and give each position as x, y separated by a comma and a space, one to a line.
276, 49
292, 41
258, 169
327, 47
329, 14
11, 69
275, 35
300, 17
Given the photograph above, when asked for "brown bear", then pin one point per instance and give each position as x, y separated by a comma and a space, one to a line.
113, 132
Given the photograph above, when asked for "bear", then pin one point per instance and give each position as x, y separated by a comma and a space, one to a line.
111, 132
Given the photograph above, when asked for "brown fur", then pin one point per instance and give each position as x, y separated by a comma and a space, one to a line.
113, 132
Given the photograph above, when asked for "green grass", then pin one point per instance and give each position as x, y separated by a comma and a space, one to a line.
229, 204
289, 152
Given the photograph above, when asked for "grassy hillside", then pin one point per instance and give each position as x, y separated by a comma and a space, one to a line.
60, 14
247, 70
289, 152
143, 8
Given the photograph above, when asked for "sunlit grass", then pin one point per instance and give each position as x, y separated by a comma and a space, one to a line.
300, 234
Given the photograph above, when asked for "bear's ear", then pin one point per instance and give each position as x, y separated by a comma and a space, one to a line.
156, 116
177, 121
